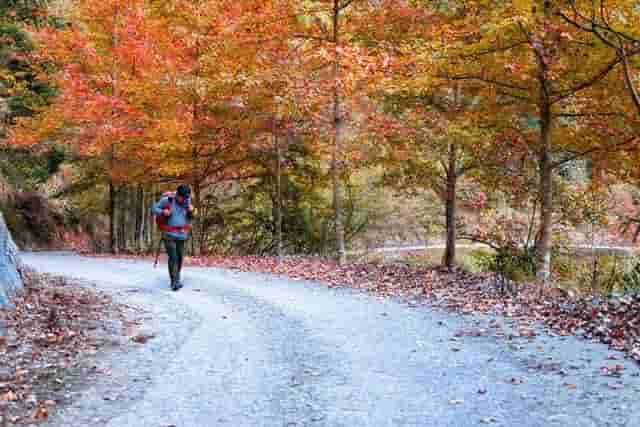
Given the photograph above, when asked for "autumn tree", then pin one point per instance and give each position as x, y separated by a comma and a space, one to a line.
432, 143
97, 70
616, 25
149, 89
327, 34
431, 139
22, 90
542, 79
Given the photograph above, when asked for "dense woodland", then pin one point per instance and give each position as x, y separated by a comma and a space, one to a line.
301, 126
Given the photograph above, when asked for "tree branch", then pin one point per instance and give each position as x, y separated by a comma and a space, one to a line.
490, 81
635, 97
346, 4
562, 94
624, 144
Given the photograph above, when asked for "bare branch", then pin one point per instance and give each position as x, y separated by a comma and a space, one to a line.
313, 37
496, 50
490, 81
635, 97
592, 114
346, 4
620, 145
562, 94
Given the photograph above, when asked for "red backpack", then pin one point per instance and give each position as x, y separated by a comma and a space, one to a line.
161, 220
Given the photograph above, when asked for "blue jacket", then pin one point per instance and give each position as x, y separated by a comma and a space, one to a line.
178, 216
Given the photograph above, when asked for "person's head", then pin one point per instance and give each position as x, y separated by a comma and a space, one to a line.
183, 194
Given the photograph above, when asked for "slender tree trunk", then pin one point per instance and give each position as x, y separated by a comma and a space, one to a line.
278, 212
131, 214
337, 194
113, 222
122, 221
543, 247
137, 222
336, 158
449, 259
198, 237
113, 191
195, 235
149, 229
142, 220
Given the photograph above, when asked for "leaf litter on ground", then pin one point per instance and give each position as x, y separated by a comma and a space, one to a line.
54, 326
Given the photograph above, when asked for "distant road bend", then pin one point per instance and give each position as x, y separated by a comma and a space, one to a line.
613, 249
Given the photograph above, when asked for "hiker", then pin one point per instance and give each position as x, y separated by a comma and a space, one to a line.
173, 213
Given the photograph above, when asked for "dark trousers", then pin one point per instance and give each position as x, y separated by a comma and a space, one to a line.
175, 250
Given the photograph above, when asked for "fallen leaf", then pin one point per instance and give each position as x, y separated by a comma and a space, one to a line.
142, 338
616, 385
41, 413
9, 396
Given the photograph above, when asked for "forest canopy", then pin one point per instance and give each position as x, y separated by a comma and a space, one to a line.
514, 124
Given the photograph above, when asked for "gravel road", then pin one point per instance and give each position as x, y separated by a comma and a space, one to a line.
239, 349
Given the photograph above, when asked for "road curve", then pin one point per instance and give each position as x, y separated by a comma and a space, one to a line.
240, 349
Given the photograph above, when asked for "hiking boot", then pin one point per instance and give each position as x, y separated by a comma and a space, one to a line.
178, 281
173, 276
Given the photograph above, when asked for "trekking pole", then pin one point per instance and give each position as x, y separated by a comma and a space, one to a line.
155, 265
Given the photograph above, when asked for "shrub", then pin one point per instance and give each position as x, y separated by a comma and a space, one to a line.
631, 279
509, 264
602, 274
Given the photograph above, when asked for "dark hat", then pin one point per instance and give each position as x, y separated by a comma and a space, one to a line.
183, 191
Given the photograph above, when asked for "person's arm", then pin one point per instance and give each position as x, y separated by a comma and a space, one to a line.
159, 208
191, 212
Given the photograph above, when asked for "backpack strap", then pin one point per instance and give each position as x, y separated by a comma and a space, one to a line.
169, 202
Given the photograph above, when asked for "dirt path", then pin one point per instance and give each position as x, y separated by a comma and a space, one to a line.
239, 349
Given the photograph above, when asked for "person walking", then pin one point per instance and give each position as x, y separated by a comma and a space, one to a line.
173, 213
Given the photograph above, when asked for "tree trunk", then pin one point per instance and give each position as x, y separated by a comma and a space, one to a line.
543, 245
113, 192
150, 228
336, 158
142, 221
198, 240
113, 222
449, 258
278, 211
137, 219
122, 221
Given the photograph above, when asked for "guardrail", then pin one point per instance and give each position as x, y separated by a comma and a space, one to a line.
583, 249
